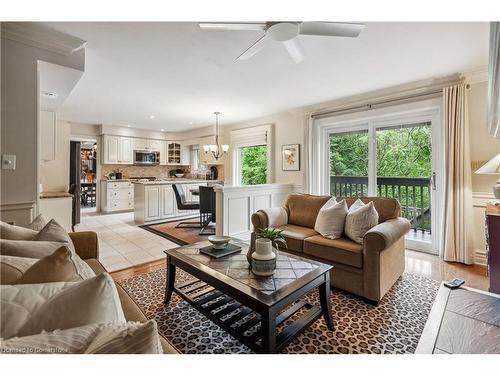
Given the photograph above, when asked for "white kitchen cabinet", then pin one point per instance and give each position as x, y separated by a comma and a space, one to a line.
110, 145
140, 144
185, 155
154, 145
127, 154
163, 153
117, 196
153, 208
48, 135
167, 196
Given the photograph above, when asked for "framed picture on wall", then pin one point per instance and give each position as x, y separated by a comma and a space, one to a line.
290, 157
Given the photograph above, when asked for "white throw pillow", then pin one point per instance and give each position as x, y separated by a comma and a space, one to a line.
104, 338
360, 219
29, 309
53, 231
14, 232
331, 219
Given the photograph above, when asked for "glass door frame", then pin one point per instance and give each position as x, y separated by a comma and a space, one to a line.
387, 120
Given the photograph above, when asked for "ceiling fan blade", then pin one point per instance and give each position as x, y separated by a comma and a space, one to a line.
295, 50
350, 30
253, 49
233, 26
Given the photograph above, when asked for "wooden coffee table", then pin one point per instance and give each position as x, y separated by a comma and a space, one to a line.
264, 313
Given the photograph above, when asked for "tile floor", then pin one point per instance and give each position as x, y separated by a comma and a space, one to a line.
122, 243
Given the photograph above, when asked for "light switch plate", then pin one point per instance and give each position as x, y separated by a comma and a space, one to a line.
8, 161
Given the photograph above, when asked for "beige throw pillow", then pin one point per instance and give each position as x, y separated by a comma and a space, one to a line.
38, 223
331, 219
107, 338
14, 232
59, 266
54, 232
12, 268
29, 249
29, 309
360, 219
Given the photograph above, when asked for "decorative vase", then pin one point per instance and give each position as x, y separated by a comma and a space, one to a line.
263, 258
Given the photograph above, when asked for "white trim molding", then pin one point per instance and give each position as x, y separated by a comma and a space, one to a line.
18, 213
476, 76
479, 201
40, 36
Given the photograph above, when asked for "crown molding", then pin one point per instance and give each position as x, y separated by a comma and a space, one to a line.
40, 36
476, 76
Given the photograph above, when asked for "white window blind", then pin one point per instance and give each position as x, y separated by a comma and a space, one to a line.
254, 136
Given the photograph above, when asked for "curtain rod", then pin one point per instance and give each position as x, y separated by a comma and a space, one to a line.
381, 103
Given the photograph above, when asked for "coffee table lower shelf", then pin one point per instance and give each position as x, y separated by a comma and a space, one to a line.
242, 322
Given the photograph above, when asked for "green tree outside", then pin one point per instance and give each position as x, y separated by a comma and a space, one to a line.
254, 165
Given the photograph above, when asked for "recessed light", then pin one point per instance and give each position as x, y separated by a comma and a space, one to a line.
162, 130
190, 122
128, 126
152, 117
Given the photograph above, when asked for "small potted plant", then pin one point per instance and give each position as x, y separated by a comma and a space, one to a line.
263, 256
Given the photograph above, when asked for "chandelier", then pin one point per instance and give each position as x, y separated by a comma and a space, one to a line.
217, 150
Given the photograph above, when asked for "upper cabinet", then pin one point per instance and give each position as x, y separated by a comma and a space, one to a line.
174, 153
117, 150
47, 135
147, 144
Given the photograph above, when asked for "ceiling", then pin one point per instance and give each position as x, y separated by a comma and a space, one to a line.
181, 74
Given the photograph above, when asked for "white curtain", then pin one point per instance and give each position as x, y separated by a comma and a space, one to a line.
494, 81
457, 246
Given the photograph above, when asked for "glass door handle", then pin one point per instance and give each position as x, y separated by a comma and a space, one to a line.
433, 181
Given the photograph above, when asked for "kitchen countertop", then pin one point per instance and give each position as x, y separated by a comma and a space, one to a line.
55, 194
174, 181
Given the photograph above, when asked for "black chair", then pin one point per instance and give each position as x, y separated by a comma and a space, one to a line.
207, 209
183, 205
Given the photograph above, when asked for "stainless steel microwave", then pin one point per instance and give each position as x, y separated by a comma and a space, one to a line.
144, 157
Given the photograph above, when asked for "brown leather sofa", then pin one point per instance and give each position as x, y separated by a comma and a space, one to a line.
369, 269
86, 246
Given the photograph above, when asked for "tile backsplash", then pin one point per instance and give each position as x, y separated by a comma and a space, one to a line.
158, 171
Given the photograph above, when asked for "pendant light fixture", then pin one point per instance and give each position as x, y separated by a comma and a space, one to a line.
217, 150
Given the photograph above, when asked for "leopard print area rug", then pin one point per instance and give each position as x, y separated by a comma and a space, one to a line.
392, 327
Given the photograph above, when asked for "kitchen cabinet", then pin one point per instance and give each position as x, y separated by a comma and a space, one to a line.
163, 153
140, 144
168, 204
117, 196
174, 153
117, 150
154, 145
153, 204
48, 135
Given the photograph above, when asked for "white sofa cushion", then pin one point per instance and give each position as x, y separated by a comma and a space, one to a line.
104, 338
38, 223
331, 219
14, 232
54, 232
28, 309
359, 220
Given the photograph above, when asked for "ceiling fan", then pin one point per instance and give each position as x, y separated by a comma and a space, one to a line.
286, 33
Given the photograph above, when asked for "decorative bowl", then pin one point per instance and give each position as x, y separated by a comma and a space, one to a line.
219, 242
179, 175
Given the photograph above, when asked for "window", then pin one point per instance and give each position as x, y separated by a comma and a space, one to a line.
252, 155
194, 158
253, 165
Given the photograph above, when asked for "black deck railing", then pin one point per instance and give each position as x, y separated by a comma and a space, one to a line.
413, 193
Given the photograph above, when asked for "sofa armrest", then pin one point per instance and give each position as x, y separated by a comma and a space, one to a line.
385, 234
86, 244
269, 217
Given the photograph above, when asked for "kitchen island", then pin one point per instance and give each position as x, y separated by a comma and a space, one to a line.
154, 201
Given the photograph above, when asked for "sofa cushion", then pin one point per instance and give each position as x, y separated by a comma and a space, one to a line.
54, 232
12, 268
303, 209
38, 223
341, 250
104, 338
14, 232
59, 266
295, 236
28, 309
360, 219
387, 208
331, 219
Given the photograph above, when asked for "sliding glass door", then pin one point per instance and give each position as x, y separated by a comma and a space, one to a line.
390, 158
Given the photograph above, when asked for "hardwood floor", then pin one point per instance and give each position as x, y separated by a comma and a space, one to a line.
426, 265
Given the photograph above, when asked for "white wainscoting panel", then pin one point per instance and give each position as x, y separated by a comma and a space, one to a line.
479, 239
236, 204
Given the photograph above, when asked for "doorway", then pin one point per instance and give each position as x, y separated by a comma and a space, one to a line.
391, 156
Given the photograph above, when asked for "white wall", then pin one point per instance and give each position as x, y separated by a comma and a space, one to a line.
54, 174
19, 117
288, 129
